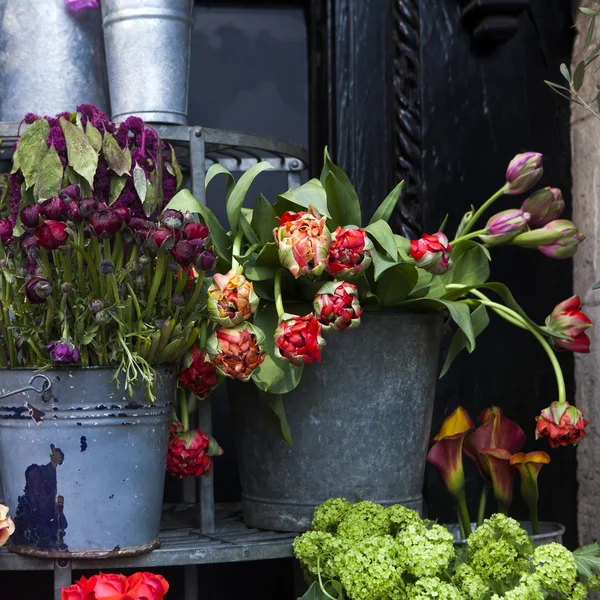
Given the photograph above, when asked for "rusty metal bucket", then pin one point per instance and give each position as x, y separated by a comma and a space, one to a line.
83, 464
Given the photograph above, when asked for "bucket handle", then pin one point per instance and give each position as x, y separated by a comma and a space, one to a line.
44, 389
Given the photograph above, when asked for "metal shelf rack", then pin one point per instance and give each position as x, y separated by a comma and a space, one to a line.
195, 532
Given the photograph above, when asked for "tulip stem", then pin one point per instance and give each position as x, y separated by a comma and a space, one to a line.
277, 293
237, 246
183, 409
482, 503
483, 208
464, 238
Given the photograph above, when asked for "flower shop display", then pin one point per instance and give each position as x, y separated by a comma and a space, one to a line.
141, 85
364, 551
306, 271
115, 586
102, 294
7, 526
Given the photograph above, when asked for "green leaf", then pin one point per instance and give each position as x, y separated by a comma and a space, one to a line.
565, 72
218, 169
382, 233
81, 154
275, 402
185, 202
256, 273
579, 75
395, 284
117, 183
346, 195
590, 34
386, 208
312, 193
140, 183
264, 220
471, 265
480, 320
335, 202
149, 203
238, 194
274, 376
380, 264
587, 560
269, 256
117, 158
314, 592
50, 178
94, 136
176, 168
248, 231
590, 12
31, 151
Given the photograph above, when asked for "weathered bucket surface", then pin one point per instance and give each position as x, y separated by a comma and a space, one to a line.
550, 532
51, 59
84, 476
148, 56
360, 423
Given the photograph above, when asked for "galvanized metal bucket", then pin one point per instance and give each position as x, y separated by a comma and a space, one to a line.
360, 423
51, 58
83, 464
148, 56
549, 533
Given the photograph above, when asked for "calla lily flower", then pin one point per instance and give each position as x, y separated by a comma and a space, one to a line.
529, 466
502, 473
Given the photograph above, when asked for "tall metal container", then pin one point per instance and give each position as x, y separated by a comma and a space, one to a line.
83, 465
148, 56
360, 423
51, 59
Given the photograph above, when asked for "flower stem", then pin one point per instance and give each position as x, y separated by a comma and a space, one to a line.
183, 409
463, 513
482, 209
194, 298
161, 266
237, 245
464, 238
482, 503
277, 293
203, 332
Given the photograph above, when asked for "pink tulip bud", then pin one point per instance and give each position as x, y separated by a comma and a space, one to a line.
568, 243
523, 172
544, 206
504, 226
567, 319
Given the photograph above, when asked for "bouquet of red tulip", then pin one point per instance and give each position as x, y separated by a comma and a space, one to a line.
114, 586
310, 249
95, 268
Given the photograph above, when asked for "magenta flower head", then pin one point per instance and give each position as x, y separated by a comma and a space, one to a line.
504, 226
6, 230
37, 289
63, 352
71, 192
106, 223
55, 209
568, 242
77, 5
206, 261
523, 172
162, 236
544, 206
30, 216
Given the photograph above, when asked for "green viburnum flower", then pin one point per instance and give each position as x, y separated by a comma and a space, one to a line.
316, 551
328, 515
401, 517
430, 588
579, 592
368, 568
471, 586
528, 589
501, 527
425, 551
364, 519
499, 562
555, 568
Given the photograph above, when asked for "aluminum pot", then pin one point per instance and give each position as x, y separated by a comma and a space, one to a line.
83, 464
51, 59
148, 56
549, 533
360, 423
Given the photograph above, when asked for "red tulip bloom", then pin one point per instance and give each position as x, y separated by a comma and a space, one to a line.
298, 339
349, 252
562, 423
51, 235
567, 319
199, 374
190, 452
337, 307
432, 253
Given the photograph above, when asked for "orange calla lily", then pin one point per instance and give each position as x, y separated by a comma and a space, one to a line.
458, 422
502, 473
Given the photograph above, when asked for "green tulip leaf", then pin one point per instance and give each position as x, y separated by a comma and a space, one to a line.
264, 220
312, 193
275, 402
118, 159
382, 233
471, 265
386, 208
395, 284
268, 256
255, 273
80, 153
31, 151
218, 169
335, 202
345, 194
247, 229
238, 194
380, 264
50, 177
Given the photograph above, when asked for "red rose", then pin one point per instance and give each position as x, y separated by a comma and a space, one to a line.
199, 374
52, 235
147, 586
75, 591
190, 452
562, 423
298, 339
106, 586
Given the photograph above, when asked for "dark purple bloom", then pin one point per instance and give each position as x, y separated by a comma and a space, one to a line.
55, 209
71, 192
172, 219
160, 236
63, 351
87, 207
74, 211
14, 199
101, 181
184, 252
136, 223
30, 118
124, 213
106, 222
30, 216
28, 240
6, 230
37, 290
92, 114
206, 261
56, 139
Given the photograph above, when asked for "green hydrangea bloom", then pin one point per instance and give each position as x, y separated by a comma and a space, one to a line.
594, 583
401, 517
316, 550
471, 586
498, 562
579, 592
425, 551
367, 568
500, 527
432, 587
364, 519
327, 517
555, 568
528, 589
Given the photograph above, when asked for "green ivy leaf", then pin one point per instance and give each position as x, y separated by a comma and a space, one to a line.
140, 183
382, 233
345, 194
386, 208
312, 193
117, 183
94, 136
117, 158
50, 178
81, 155
31, 151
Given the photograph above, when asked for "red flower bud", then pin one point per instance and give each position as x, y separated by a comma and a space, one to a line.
562, 423
30, 216
567, 319
349, 252
52, 235
523, 172
37, 290
162, 236
337, 307
87, 207
184, 252
106, 223
74, 213
124, 213
71, 192
189, 452
196, 231
432, 253
55, 209
298, 339
6, 230
199, 374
